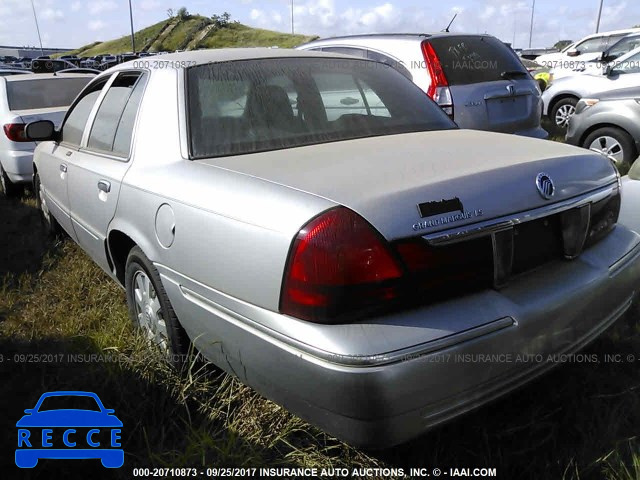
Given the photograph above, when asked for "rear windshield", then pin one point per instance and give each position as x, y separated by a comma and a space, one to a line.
476, 59
44, 92
259, 105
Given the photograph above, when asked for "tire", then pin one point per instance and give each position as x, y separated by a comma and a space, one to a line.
51, 226
562, 111
151, 311
10, 189
615, 142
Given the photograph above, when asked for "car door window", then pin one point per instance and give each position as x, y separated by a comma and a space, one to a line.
78, 115
105, 126
392, 62
355, 52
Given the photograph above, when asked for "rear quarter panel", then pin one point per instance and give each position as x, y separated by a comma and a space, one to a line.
232, 231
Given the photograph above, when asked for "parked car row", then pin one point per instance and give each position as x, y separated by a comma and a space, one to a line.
322, 214
48, 65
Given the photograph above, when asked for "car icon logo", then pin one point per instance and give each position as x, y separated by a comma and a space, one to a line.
545, 186
69, 425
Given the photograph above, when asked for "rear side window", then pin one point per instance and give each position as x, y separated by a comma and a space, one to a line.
44, 92
475, 59
371, 55
112, 112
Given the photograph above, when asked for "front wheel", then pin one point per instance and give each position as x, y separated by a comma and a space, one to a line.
614, 142
151, 310
562, 112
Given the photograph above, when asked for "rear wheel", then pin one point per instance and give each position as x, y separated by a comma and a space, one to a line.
562, 112
151, 310
9, 188
614, 142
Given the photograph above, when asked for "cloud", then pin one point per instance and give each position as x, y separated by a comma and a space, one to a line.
75, 6
51, 14
149, 5
100, 6
95, 25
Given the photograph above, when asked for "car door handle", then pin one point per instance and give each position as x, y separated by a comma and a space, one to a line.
104, 186
63, 168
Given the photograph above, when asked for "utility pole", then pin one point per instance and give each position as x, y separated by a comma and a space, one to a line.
292, 29
37, 27
533, 8
133, 41
599, 15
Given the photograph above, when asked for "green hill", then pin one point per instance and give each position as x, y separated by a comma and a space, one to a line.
191, 33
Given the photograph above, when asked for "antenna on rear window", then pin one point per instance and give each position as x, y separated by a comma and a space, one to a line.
447, 29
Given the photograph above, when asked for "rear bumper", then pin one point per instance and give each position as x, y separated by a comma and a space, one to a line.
379, 400
18, 164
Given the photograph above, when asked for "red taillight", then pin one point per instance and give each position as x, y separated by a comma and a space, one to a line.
15, 132
438, 78
439, 88
338, 264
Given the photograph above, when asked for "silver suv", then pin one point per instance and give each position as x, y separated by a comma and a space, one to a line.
476, 79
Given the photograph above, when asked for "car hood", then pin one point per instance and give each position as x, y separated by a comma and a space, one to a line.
62, 418
385, 178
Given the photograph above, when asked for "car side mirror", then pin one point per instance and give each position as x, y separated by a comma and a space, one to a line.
41, 130
29, 411
109, 411
607, 70
573, 53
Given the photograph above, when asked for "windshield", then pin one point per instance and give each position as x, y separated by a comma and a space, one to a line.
44, 92
622, 47
259, 105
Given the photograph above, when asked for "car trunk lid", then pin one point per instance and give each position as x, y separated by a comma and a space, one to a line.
459, 177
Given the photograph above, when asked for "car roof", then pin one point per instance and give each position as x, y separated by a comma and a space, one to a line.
606, 34
202, 57
401, 36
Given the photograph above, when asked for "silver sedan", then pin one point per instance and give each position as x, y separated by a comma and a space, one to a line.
317, 226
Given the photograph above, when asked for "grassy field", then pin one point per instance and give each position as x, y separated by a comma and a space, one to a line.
184, 31
579, 422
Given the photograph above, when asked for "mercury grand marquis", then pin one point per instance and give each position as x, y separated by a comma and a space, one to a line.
315, 225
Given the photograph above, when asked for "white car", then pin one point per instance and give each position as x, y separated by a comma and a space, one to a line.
23, 99
562, 96
589, 48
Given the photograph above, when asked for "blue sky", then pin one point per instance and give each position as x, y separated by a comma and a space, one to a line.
73, 23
